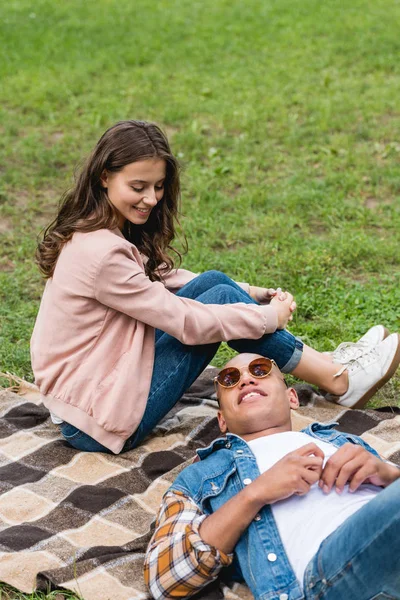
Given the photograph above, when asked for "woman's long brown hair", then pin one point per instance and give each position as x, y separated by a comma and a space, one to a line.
86, 207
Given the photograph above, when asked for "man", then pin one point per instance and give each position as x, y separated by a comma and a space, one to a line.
311, 514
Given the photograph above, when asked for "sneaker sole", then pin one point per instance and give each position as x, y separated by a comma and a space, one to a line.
377, 386
386, 332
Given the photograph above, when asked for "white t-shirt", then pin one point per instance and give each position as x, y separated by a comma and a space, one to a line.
305, 521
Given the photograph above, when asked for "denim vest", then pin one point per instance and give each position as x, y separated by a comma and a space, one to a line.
226, 466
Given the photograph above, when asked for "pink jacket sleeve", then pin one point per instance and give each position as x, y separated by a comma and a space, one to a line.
177, 278
121, 284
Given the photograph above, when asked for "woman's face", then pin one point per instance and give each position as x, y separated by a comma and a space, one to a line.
136, 189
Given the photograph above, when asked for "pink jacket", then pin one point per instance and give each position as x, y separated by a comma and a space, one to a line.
92, 346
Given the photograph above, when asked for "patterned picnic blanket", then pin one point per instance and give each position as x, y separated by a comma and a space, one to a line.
82, 521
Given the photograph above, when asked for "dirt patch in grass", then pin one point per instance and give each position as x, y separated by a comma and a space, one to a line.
371, 203
318, 228
374, 203
6, 265
363, 277
21, 198
5, 225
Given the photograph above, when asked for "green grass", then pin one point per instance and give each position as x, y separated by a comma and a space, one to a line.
9, 593
285, 116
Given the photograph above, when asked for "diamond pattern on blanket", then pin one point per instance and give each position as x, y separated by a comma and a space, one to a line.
388, 429
238, 592
151, 498
131, 482
20, 569
359, 421
126, 568
384, 448
9, 400
93, 499
21, 537
14, 474
6, 429
88, 468
22, 504
99, 531
26, 416
53, 487
131, 510
63, 517
20, 444
166, 442
394, 457
82, 521
158, 463
100, 584
54, 453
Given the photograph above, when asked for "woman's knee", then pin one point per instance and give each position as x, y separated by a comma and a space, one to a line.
223, 293
214, 278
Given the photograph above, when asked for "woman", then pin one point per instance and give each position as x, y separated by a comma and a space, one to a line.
121, 333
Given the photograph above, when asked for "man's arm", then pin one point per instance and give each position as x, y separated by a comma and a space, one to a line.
295, 473
178, 562
188, 549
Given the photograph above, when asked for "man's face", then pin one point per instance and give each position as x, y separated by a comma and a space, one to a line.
254, 404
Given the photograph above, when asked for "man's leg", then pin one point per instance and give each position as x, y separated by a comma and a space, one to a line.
361, 559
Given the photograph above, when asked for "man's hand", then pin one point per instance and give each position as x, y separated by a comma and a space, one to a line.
295, 473
354, 465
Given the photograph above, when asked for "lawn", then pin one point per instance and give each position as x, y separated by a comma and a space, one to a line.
284, 114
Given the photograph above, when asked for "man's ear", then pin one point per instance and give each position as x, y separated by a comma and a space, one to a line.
104, 179
221, 422
293, 398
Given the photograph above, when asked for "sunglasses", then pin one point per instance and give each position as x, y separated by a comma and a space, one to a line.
258, 368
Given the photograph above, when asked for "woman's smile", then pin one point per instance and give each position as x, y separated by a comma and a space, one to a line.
143, 211
141, 181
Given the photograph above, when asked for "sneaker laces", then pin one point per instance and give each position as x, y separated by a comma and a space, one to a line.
348, 350
362, 360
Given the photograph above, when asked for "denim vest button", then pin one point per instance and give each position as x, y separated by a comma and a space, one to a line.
247, 481
271, 557
283, 597
257, 518
228, 445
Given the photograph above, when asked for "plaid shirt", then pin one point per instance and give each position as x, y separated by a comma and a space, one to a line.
178, 562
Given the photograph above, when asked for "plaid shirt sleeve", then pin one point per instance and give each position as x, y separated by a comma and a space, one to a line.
178, 563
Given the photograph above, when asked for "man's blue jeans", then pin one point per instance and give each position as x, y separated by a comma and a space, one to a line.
177, 366
361, 559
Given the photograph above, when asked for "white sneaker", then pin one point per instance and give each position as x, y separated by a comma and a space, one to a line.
370, 371
353, 350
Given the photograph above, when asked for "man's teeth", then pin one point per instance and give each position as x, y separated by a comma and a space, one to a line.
250, 394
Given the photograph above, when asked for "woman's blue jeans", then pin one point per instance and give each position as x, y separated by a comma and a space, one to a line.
177, 366
361, 559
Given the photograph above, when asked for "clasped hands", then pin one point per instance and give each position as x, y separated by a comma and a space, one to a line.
283, 302
296, 472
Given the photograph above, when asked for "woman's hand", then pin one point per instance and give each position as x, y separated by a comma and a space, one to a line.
265, 295
262, 295
284, 307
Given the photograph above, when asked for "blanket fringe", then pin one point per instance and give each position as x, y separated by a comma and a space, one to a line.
17, 384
